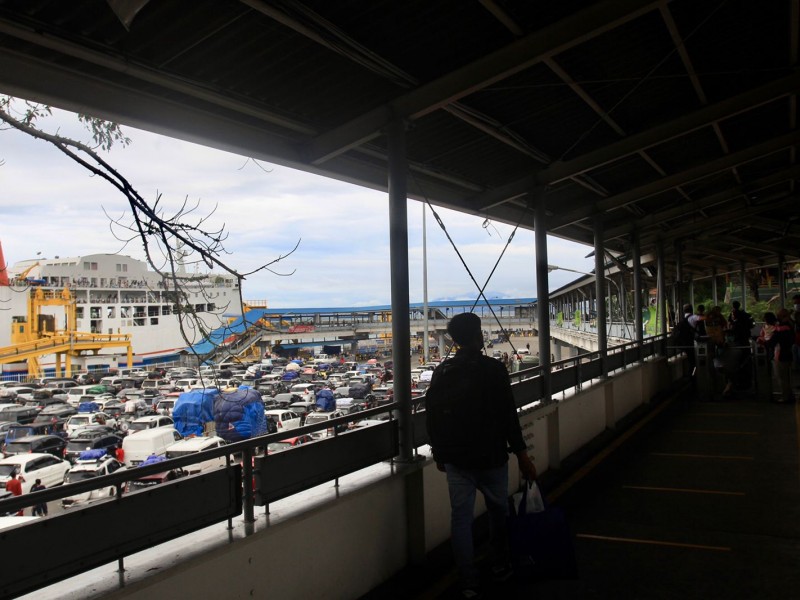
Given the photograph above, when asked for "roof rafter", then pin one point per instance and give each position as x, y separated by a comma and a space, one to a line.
667, 183
499, 65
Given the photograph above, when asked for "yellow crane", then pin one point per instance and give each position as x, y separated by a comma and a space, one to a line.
40, 335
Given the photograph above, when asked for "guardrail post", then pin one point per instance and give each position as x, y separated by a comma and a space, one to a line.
247, 481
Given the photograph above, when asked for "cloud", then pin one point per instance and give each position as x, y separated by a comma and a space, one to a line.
51, 205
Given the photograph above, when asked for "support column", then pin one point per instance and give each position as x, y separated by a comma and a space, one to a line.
678, 279
637, 291
542, 296
661, 298
743, 280
600, 286
714, 295
781, 280
691, 290
398, 259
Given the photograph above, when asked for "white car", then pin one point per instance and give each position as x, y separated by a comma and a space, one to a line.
30, 467
83, 419
187, 384
194, 445
281, 420
23, 392
149, 422
89, 468
321, 417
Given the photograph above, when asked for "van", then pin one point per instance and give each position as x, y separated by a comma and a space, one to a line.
74, 393
139, 446
113, 381
198, 444
187, 384
17, 413
303, 388
321, 417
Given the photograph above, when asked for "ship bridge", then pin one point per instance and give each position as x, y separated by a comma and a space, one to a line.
663, 134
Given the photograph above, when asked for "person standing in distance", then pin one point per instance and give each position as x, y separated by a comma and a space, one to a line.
472, 421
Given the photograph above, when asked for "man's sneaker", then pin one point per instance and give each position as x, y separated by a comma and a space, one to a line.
502, 573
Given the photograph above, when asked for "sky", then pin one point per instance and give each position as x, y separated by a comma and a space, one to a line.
53, 206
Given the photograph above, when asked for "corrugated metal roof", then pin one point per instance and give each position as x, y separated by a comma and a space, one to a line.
645, 114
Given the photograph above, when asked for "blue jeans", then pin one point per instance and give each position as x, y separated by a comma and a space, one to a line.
462, 484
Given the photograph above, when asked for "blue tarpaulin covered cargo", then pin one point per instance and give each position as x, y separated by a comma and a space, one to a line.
239, 415
193, 410
325, 400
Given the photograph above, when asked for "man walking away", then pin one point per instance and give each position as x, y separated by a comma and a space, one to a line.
471, 422
41, 508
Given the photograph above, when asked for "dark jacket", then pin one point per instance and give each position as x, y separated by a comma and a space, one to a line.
489, 414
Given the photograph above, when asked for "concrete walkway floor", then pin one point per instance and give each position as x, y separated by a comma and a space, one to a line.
696, 500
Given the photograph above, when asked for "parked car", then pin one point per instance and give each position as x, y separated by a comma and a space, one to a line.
24, 392
18, 413
90, 466
281, 420
194, 445
303, 409
44, 398
321, 417
286, 398
94, 418
139, 446
165, 406
156, 479
37, 444
55, 413
187, 383
91, 439
60, 384
30, 467
149, 422
288, 443
18, 430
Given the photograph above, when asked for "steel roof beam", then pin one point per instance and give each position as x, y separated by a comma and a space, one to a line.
667, 183
501, 64
703, 117
654, 219
659, 134
734, 211
107, 60
336, 40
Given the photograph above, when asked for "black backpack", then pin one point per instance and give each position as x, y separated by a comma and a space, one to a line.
743, 323
459, 415
683, 334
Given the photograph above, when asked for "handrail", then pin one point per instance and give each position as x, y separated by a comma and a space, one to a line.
568, 373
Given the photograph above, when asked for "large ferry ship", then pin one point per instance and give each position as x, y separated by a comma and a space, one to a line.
116, 296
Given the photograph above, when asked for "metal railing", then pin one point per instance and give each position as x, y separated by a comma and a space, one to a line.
250, 478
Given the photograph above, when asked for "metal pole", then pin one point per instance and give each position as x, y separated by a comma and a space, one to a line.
781, 280
637, 291
678, 279
542, 296
743, 279
714, 295
425, 349
600, 286
398, 259
247, 476
661, 312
